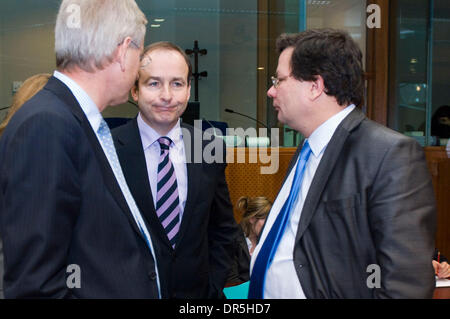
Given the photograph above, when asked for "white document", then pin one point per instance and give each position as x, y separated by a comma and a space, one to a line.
442, 282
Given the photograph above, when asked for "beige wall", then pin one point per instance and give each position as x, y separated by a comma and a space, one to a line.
349, 15
26, 45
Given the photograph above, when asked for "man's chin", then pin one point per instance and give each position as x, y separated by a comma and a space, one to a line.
119, 101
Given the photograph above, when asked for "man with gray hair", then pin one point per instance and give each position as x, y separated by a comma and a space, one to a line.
69, 224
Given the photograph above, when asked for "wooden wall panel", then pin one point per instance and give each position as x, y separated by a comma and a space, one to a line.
244, 179
439, 166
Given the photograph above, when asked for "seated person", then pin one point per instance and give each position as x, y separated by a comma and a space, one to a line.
440, 122
440, 265
254, 212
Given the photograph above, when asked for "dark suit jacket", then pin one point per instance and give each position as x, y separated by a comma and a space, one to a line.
1, 269
371, 202
199, 265
60, 204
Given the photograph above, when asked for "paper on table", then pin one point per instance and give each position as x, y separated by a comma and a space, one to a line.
442, 282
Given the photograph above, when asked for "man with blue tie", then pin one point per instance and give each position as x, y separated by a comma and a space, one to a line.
184, 201
355, 217
69, 224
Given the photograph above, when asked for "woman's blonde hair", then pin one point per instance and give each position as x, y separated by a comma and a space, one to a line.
29, 88
252, 207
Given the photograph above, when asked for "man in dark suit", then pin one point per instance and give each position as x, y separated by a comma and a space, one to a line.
182, 193
70, 227
360, 220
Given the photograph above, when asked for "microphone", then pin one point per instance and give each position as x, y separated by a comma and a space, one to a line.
214, 128
251, 118
252, 141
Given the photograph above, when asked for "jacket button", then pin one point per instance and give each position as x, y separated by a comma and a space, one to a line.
300, 266
152, 275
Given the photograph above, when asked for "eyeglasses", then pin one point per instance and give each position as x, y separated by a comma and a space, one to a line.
276, 81
132, 42
135, 44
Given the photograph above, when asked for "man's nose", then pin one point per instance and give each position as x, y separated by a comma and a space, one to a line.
166, 93
271, 92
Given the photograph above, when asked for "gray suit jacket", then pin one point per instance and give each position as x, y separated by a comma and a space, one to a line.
371, 202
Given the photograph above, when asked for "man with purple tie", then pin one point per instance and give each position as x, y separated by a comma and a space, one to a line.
186, 204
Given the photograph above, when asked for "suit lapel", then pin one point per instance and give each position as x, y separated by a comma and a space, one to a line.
132, 159
63, 92
194, 174
325, 168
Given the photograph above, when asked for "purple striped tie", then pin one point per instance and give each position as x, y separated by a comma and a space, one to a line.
167, 201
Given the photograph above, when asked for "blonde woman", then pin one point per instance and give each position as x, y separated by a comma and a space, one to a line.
29, 88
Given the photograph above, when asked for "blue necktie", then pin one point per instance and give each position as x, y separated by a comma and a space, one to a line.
269, 247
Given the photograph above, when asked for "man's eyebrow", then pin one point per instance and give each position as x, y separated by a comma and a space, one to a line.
160, 79
179, 79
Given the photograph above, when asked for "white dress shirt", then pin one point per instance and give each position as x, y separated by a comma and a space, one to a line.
152, 151
281, 278
88, 106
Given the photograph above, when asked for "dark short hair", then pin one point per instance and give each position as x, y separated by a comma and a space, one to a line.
333, 55
437, 128
169, 46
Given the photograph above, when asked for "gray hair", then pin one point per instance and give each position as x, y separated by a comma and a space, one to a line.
87, 32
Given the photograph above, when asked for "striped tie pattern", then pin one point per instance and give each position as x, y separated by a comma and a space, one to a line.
167, 201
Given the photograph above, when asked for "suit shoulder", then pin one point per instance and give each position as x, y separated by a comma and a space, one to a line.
125, 128
380, 134
44, 107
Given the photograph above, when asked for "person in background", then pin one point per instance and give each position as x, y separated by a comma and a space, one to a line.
440, 265
440, 122
70, 226
253, 211
28, 89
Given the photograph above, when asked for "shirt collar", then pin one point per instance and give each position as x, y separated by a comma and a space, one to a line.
149, 136
88, 106
321, 136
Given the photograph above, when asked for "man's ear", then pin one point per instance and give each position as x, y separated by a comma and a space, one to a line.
135, 92
189, 91
121, 53
317, 87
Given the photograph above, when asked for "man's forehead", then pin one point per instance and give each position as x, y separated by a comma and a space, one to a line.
284, 61
145, 61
